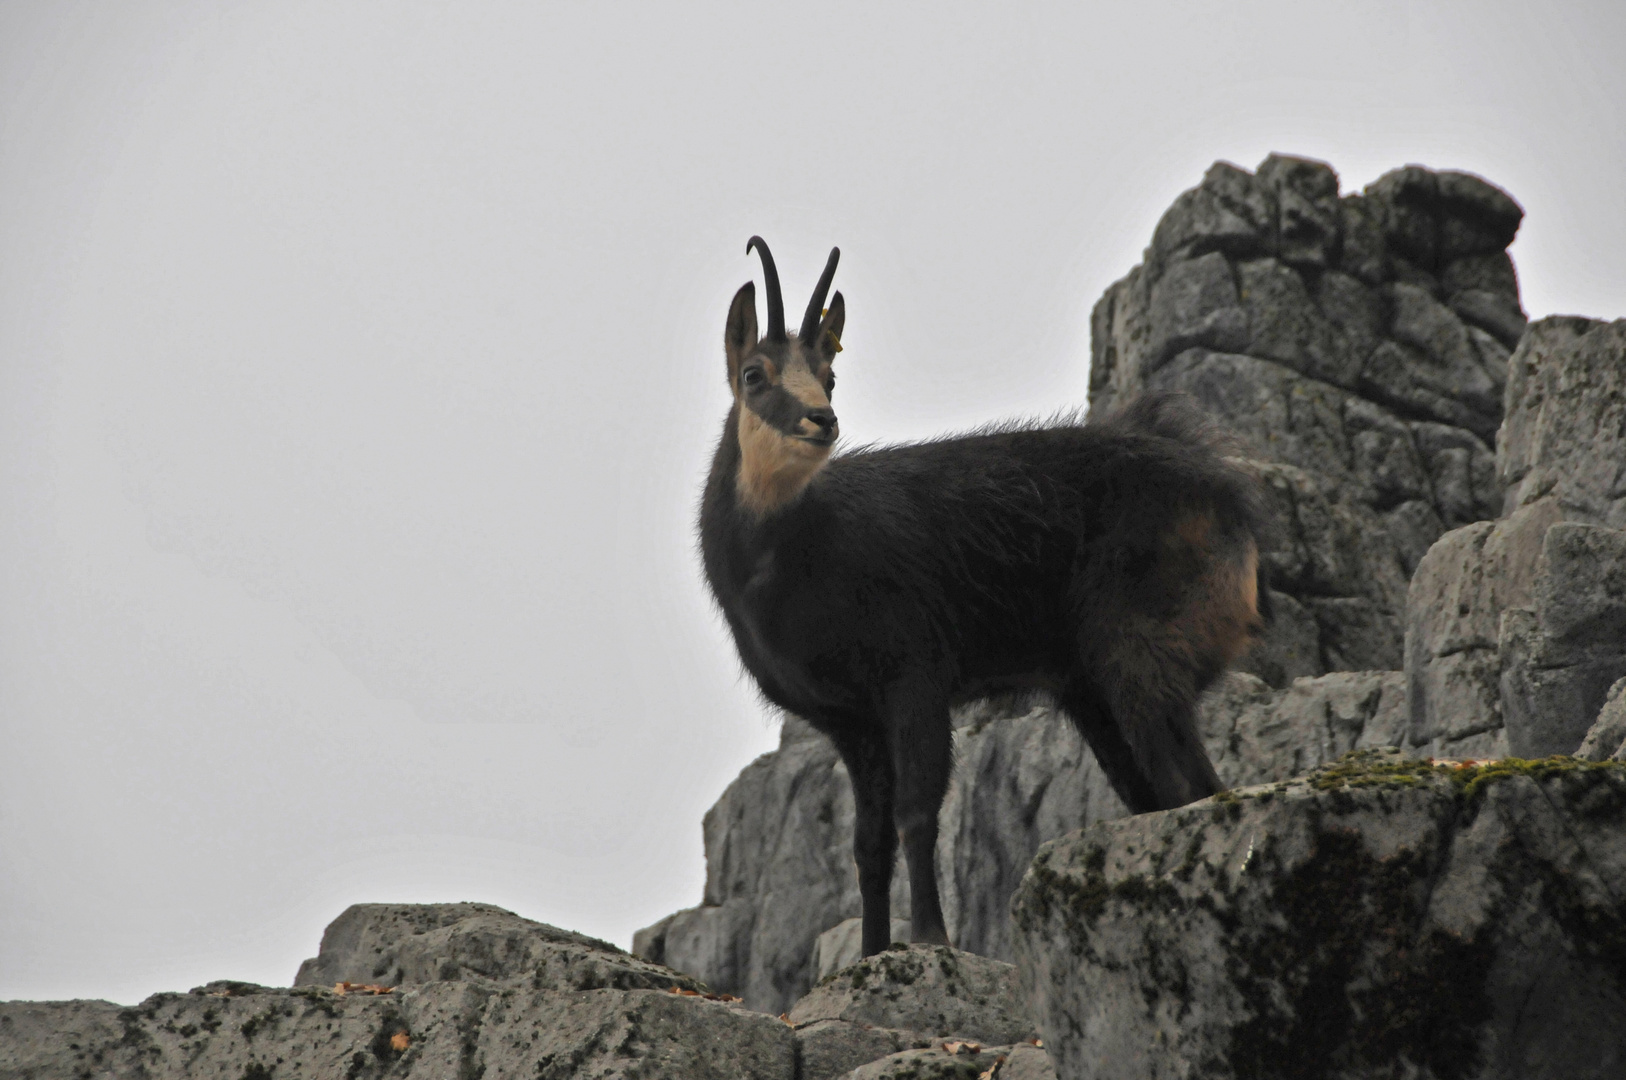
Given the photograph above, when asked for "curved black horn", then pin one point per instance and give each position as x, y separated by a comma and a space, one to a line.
815, 306
770, 277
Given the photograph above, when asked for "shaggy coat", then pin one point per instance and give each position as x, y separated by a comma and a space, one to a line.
1112, 565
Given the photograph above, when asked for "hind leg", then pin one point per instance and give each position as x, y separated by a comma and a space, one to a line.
1144, 724
1089, 713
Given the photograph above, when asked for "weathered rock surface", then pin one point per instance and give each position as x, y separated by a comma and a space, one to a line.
932, 1011
1606, 738
1018, 781
473, 991
1377, 918
476, 991
1360, 345
1516, 628
924, 988
842, 945
1565, 434
408, 944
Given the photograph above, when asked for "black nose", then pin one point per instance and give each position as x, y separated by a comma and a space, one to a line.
825, 418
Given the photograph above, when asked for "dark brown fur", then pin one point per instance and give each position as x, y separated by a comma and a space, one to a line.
1113, 565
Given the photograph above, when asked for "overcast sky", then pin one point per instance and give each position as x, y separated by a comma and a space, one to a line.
360, 364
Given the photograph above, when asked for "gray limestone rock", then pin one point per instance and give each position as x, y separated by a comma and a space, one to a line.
1308, 225
1230, 211
1565, 435
1195, 303
515, 1021
406, 944
433, 1030
779, 872
843, 945
1606, 738
630, 1033
1430, 366
1454, 615
1494, 312
55, 1040
1026, 1061
1377, 918
1291, 645
928, 989
1560, 658
1492, 273
1017, 782
1365, 251
944, 1061
1407, 204
830, 1048
1255, 734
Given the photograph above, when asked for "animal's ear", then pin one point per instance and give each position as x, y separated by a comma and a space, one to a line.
740, 336
835, 318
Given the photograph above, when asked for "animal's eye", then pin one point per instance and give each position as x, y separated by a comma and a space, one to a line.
829, 384
753, 378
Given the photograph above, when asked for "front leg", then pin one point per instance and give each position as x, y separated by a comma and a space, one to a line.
875, 841
922, 745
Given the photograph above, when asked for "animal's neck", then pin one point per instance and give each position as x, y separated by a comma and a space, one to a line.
768, 473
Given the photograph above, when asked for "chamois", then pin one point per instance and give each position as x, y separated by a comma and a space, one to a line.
1112, 564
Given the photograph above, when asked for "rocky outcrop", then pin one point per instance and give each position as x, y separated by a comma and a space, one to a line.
779, 841
1381, 917
1517, 627
471, 990
411, 944
1606, 739
439, 990
779, 869
907, 1003
1359, 345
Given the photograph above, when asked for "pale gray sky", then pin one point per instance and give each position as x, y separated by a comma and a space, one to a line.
360, 363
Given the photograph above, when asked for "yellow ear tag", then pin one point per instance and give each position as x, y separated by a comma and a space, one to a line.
832, 333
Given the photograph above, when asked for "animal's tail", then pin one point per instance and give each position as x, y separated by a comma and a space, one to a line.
1210, 465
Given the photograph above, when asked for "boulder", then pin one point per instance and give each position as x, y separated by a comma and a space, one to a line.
478, 991
779, 872
949, 1061
843, 944
1380, 917
1606, 738
409, 944
1565, 435
1516, 628
431, 1030
932, 1011
928, 989
1560, 658
1362, 341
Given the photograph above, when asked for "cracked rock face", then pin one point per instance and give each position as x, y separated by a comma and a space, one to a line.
1516, 628
1376, 918
436, 1030
408, 944
1360, 345
507, 997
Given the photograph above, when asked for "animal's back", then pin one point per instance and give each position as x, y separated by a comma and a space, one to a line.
982, 544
